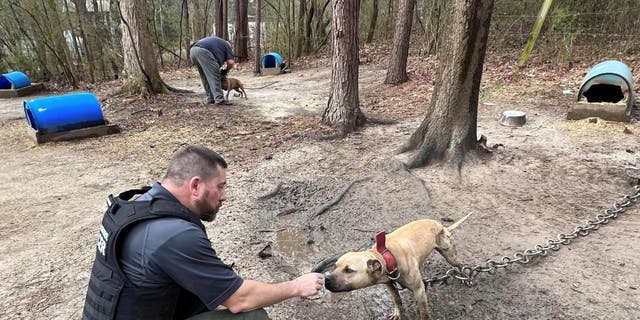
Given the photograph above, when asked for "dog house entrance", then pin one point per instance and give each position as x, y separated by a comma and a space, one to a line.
604, 93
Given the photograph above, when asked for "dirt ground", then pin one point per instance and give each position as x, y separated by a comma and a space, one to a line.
542, 179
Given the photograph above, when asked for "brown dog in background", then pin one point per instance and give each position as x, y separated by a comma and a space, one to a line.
233, 84
410, 245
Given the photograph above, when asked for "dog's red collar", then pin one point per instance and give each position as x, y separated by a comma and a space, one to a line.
389, 260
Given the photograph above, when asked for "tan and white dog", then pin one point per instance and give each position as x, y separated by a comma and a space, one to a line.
233, 84
410, 245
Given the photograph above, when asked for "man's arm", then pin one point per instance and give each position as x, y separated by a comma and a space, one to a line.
255, 294
230, 64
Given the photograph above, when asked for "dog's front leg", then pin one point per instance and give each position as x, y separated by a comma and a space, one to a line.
420, 294
228, 82
397, 303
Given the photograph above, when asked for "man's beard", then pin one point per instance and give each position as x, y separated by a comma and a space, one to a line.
207, 212
209, 216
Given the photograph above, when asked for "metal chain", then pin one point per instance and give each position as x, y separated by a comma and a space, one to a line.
467, 273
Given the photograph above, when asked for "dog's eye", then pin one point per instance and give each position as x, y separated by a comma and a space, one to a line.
348, 270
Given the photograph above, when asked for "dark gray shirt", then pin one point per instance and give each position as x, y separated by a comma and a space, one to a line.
220, 48
166, 251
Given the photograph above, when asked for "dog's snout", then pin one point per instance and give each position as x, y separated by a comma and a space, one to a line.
329, 281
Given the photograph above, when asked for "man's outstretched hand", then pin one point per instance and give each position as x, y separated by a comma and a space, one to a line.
309, 284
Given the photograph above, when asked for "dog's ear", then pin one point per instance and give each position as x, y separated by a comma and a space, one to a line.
374, 265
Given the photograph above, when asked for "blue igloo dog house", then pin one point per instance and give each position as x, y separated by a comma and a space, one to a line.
14, 80
270, 63
15, 84
606, 92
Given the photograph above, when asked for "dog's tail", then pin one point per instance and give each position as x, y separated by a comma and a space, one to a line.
457, 223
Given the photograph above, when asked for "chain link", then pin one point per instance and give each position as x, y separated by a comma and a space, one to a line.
467, 273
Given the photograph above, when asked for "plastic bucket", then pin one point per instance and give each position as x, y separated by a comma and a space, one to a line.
14, 80
64, 112
271, 60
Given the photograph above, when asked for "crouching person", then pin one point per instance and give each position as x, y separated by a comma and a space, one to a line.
154, 259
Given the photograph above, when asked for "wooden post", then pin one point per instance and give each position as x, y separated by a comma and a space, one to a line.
534, 33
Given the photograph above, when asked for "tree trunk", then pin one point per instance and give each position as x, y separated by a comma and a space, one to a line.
373, 22
309, 27
321, 25
397, 71
257, 36
185, 31
198, 20
74, 37
302, 9
102, 27
434, 25
156, 34
448, 131
219, 20
343, 110
290, 20
140, 66
87, 32
59, 43
241, 36
107, 36
36, 46
225, 19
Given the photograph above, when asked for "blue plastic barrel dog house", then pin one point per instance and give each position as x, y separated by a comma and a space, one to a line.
608, 82
14, 80
63, 112
270, 63
271, 60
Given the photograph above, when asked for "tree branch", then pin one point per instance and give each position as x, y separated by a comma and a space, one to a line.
335, 199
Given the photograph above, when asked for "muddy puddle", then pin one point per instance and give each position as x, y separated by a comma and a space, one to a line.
292, 241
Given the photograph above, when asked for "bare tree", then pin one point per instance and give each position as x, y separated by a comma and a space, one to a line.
433, 25
220, 21
448, 131
49, 39
225, 19
373, 21
397, 71
308, 26
185, 31
87, 33
343, 110
241, 36
199, 16
53, 26
257, 36
140, 66
74, 37
300, 25
106, 39
37, 46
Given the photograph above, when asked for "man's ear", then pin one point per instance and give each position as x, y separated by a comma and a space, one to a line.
374, 265
194, 185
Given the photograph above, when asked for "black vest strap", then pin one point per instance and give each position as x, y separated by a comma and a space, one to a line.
127, 195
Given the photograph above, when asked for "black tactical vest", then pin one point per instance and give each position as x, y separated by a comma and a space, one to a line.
110, 294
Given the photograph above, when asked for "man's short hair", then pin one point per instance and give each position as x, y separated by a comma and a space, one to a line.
194, 160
